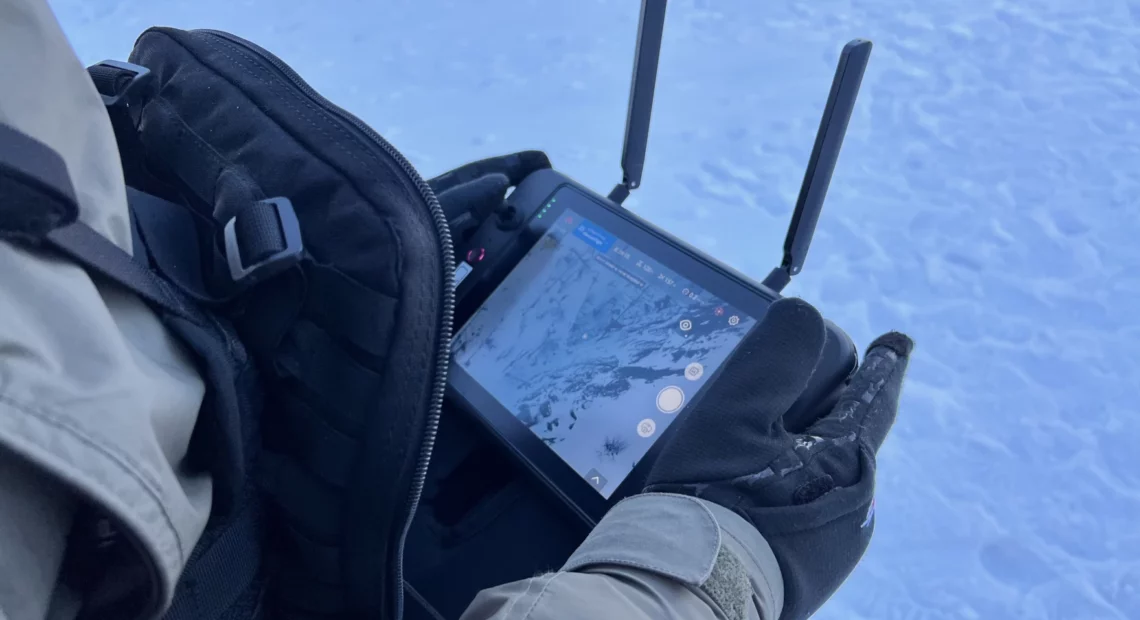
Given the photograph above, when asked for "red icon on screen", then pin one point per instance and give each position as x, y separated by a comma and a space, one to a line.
719, 311
476, 255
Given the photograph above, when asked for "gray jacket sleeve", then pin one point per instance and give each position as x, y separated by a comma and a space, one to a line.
97, 400
653, 557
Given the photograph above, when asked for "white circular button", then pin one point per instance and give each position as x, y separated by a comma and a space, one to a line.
646, 427
670, 399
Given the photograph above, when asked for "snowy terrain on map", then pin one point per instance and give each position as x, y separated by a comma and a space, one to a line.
578, 346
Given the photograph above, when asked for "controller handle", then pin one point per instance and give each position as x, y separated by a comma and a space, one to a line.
836, 365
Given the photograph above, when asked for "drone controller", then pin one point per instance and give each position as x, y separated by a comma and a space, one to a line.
585, 331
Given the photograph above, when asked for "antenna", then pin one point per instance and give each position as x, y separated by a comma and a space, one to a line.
648, 52
821, 165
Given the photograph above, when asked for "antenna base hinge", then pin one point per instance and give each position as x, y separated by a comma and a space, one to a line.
778, 278
620, 192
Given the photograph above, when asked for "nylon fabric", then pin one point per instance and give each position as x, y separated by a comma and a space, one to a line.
352, 313
318, 363
364, 369
320, 447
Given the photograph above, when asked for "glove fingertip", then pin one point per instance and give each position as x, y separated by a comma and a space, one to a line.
497, 180
535, 160
898, 342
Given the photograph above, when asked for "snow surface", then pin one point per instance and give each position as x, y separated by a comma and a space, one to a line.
985, 202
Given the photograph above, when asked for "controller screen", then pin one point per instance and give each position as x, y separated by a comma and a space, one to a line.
596, 347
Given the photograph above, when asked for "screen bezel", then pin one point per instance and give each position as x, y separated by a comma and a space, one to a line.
537, 455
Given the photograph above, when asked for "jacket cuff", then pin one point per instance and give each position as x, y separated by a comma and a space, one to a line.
697, 543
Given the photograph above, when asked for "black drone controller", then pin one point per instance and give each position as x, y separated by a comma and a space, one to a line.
495, 249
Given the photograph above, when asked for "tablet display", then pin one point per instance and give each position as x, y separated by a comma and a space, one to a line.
596, 347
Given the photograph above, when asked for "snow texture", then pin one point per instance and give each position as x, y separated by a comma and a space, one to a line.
986, 202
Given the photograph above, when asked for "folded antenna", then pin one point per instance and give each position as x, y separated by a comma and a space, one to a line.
821, 165
648, 51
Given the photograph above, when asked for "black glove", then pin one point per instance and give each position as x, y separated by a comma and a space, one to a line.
472, 192
811, 494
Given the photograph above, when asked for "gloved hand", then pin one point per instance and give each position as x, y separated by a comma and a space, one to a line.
811, 495
470, 193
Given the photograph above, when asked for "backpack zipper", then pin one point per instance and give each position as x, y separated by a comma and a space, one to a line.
447, 255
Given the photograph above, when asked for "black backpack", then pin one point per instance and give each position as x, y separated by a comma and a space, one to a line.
309, 268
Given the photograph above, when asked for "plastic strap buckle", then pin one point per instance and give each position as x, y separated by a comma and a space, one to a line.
113, 91
247, 274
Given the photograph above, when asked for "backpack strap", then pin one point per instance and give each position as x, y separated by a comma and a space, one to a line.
37, 203
213, 264
257, 240
97, 254
221, 579
31, 173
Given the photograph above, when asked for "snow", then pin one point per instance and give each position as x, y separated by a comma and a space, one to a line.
985, 202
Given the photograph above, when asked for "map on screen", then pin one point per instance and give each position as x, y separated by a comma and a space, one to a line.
596, 347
